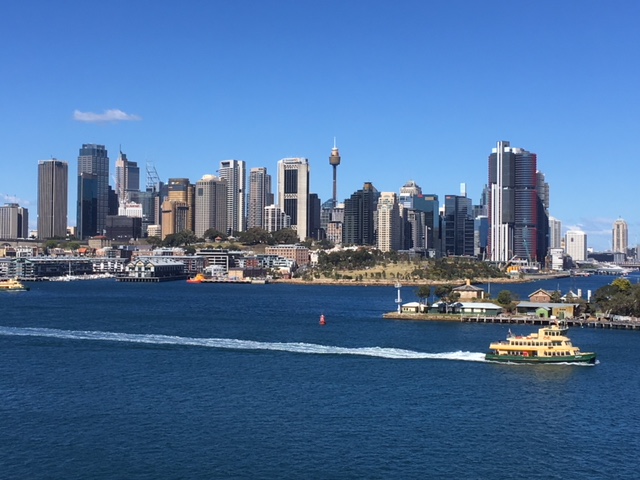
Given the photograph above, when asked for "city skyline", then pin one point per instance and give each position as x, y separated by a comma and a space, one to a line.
417, 91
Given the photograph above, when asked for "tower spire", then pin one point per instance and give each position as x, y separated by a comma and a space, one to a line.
334, 161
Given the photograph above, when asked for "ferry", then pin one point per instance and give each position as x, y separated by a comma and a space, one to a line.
12, 285
549, 345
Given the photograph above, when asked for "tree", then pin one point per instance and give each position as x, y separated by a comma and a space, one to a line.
154, 241
423, 292
556, 296
212, 234
285, 236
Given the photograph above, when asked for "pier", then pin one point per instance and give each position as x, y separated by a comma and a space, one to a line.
631, 324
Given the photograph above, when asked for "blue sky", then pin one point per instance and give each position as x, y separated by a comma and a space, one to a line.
412, 90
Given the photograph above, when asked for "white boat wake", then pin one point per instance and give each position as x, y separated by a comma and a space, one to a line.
235, 344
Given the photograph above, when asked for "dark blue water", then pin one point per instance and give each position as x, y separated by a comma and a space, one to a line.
107, 380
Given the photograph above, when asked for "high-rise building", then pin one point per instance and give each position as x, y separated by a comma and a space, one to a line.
555, 233
359, 216
315, 231
234, 172
421, 220
458, 226
211, 205
127, 178
275, 219
181, 190
94, 159
14, 221
260, 196
293, 193
175, 217
513, 205
576, 245
389, 231
53, 180
620, 235
87, 205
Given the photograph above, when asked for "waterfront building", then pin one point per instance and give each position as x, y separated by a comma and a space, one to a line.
53, 179
576, 245
14, 221
555, 233
94, 160
293, 193
211, 205
513, 204
275, 219
260, 196
234, 172
620, 236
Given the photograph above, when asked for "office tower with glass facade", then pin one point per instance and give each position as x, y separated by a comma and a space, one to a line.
513, 204
360, 216
555, 233
234, 172
293, 193
260, 196
53, 188
94, 160
211, 205
458, 226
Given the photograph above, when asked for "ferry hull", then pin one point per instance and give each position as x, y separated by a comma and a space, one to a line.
589, 358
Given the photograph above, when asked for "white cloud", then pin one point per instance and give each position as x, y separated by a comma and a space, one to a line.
13, 199
109, 116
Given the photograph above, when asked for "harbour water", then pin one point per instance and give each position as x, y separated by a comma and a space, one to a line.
104, 380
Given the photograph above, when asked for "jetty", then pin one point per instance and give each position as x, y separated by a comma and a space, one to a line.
602, 323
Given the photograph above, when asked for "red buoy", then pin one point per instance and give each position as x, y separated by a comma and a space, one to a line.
322, 320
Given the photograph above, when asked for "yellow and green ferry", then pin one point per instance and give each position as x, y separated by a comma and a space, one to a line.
549, 345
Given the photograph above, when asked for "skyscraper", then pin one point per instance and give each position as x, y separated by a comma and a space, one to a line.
211, 205
513, 205
127, 178
53, 179
180, 216
458, 226
94, 160
87, 205
555, 233
359, 216
234, 172
389, 232
620, 235
293, 193
260, 196
576, 245
14, 221
421, 219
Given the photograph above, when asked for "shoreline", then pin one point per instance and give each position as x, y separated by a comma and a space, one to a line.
414, 283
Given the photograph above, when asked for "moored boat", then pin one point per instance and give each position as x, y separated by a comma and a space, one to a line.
549, 345
12, 285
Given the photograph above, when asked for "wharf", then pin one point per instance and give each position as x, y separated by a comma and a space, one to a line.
632, 324
150, 279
